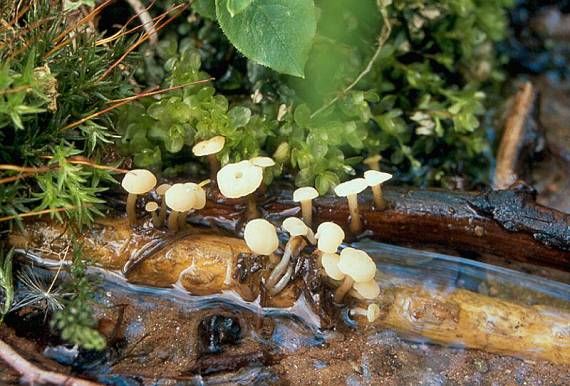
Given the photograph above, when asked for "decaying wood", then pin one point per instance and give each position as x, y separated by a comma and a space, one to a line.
514, 137
33, 375
206, 263
506, 223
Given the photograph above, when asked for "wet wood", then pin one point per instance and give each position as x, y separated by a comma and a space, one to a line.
514, 137
507, 223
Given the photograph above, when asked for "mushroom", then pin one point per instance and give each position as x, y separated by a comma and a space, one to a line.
296, 227
261, 237
367, 289
180, 199
152, 207
358, 268
373, 162
239, 180
350, 190
329, 262
375, 179
329, 236
210, 148
305, 196
137, 181
199, 201
161, 191
262, 162
371, 313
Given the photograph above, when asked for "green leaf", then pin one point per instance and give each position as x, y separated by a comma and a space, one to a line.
205, 8
235, 7
275, 33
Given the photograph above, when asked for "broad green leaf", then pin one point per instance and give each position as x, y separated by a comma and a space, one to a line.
235, 7
275, 33
205, 8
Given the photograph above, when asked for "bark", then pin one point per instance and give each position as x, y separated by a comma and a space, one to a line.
507, 223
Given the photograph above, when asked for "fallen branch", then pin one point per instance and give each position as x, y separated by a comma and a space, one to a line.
514, 137
33, 375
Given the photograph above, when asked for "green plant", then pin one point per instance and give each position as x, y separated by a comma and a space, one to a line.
406, 79
76, 322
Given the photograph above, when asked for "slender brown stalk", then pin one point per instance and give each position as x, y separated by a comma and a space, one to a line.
36, 213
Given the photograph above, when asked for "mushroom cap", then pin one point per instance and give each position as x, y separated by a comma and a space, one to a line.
262, 162
368, 289
205, 182
374, 177
180, 198
357, 264
354, 186
138, 181
374, 158
162, 188
211, 146
261, 237
305, 193
239, 179
330, 264
330, 236
373, 312
151, 206
199, 195
295, 226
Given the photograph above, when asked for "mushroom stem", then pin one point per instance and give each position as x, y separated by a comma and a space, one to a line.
358, 311
307, 211
162, 215
343, 289
378, 197
252, 211
131, 209
292, 248
156, 219
214, 166
182, 219
173, 221
281, 284
355, 223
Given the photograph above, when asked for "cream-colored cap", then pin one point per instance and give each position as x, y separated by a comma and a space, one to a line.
199, 195
211, 146
305, 193
330, 264
329, 236
180, 198
351, 187
162, 188
151, 206
374, 177
261, 237
262, 162
357, 264
138, 181
373, 312
296, 227
368, 289
239, 179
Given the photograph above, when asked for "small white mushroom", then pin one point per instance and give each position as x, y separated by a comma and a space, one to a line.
367, 289
135, 182
350, 190
375, 179
357, 266
373, 162
210, 148
329, 262
296, 227
239, 180
305, 196
152, 207
180, 198
261, 237
371, 313
329, 236
161, 191
262, 162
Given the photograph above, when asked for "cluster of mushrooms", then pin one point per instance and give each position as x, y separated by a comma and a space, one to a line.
351, 271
